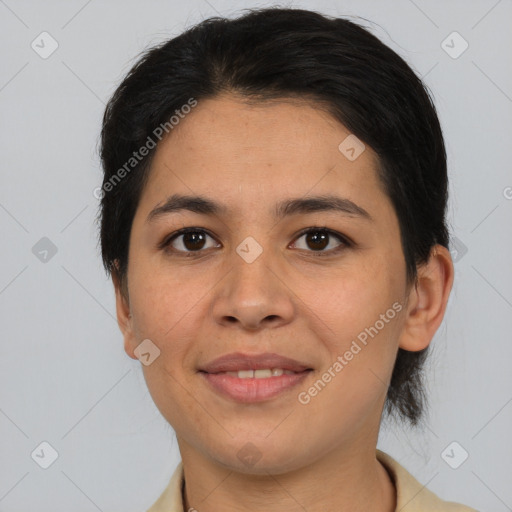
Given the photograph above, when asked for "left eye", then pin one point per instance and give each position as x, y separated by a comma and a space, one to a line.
319, 239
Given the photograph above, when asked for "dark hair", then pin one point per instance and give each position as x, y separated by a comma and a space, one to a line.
278, 53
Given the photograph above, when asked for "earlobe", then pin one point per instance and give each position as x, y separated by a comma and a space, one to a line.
427, 300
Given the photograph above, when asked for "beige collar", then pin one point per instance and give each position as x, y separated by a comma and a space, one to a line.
411, 495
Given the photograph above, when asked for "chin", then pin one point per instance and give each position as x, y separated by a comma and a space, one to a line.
259, 457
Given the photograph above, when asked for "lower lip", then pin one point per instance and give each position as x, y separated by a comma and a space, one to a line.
253, 390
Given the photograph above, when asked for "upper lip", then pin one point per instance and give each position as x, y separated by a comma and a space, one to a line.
238, 361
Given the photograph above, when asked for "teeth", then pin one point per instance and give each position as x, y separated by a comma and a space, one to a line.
260, 374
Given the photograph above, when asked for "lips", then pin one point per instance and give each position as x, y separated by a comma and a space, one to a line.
237, 361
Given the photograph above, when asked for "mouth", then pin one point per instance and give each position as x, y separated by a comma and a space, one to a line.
263, 373
251, 389
253, 378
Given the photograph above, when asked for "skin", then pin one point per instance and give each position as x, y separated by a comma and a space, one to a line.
319, 456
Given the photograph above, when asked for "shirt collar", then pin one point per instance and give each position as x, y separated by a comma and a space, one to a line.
411, 496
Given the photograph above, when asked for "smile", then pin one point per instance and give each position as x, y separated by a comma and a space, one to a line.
259, 374
249, 386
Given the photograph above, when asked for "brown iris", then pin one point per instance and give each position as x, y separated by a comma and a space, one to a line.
317, 239
193, 240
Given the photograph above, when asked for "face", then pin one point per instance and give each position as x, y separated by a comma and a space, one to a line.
249, 281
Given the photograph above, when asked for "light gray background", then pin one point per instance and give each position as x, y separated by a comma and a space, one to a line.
64, 377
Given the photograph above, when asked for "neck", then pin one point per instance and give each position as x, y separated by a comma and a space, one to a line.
345, 479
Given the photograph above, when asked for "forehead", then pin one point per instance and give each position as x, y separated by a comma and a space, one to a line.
225, 143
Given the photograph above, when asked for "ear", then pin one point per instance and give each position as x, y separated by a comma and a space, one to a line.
427, 300
124, 317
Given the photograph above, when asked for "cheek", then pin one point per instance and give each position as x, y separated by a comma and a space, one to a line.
162, 312
162, 303
166, 309
348, 302
361, 343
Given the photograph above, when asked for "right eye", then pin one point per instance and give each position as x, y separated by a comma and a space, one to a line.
187, 241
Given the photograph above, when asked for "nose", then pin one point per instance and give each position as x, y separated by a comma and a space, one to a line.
253, 296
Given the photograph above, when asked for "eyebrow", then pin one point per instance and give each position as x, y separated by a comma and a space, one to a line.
288, 207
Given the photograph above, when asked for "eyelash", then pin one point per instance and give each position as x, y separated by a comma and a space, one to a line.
345, 241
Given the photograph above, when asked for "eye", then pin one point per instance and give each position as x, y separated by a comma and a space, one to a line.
320, 238
194, 240
187, 240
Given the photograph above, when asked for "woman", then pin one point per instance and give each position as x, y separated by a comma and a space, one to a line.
273, 217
